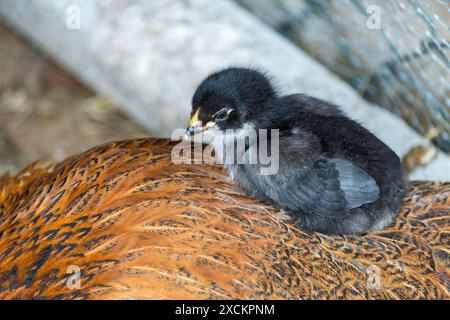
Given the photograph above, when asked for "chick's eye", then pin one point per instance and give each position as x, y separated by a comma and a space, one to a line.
222, 114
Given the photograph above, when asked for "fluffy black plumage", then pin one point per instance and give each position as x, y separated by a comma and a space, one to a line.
334, 175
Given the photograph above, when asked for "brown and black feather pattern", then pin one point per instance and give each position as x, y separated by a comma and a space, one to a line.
140, 227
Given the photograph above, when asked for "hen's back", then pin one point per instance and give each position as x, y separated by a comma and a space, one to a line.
138, 226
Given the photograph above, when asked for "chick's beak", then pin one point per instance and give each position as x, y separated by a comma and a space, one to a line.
193, 124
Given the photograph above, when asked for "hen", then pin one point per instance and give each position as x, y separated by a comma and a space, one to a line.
138, 226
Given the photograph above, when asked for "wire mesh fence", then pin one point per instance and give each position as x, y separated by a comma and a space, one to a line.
396, 53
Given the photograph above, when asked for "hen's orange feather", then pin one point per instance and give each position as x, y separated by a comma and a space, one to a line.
140, 227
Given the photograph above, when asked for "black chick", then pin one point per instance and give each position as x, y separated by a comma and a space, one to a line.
334, 176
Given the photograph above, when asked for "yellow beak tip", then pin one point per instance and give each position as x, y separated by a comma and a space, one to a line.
194, 118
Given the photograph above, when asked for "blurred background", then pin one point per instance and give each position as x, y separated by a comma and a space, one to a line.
403, 66
46, 113
78, 73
